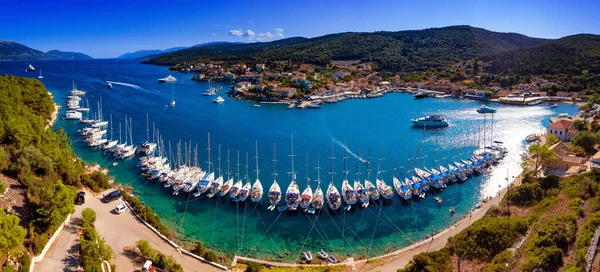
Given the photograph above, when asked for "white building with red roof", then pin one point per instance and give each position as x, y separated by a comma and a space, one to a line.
563, 129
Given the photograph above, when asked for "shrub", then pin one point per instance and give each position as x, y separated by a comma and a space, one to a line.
526, 194
487, 237
88, 217
544, 249
24, 262
2, 187
499, 262
211, 256
254, 267
200, 249
430, 261
158, 259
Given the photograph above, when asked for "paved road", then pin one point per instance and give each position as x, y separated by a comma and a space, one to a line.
63, 255
120, 230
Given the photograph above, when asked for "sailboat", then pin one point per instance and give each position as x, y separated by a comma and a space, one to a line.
275, 190
256, 192
110, 143
245, 191
306, 196
216, 185
40, 76
235, 189
227, 186
333, 195
348, 192
172, 103
317, 199
205, 183
361, 192
373, 192
293, 192
384, 189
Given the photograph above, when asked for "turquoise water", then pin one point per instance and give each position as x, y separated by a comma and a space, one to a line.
244, 229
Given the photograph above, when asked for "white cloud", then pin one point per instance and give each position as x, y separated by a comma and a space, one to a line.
269, 36
237, 33
278, 30
241, 33
214, 34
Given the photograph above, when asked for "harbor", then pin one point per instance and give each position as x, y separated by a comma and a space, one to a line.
246, 229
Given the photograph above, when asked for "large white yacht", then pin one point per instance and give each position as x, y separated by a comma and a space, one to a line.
431, 121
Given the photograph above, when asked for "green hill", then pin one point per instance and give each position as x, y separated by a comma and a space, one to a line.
568, 55
10, 50
402, 51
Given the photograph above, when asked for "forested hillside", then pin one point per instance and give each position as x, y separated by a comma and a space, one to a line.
41, 160
402, 51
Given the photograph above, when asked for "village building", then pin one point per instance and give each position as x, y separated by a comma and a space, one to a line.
563, 129
565, 160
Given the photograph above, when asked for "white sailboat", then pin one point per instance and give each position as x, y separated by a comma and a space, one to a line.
40, 76
229, 183
348, 192
373, 192
235, 189
256, 192
275, 190
384, 189
306, 196
293, 192
361, 192
216, 185
317, 199
333, 195
245, 191
110, 143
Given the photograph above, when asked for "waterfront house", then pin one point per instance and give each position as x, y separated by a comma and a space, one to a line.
564, 159
259, 67
285, 91
244, 84
563, 129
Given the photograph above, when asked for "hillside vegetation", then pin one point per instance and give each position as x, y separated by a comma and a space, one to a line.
402, 51
551, 232
569, 55
41, 160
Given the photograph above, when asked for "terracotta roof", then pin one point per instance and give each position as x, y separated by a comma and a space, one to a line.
596, 156
561, 124
574, 170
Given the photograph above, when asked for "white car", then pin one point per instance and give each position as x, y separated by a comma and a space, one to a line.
120, 208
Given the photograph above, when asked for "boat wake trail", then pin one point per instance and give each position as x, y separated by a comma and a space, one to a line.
129, 85
348, 150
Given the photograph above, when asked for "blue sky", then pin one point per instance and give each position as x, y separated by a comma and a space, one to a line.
105, 29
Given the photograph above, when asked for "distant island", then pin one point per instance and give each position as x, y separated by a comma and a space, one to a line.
455, 60
10, 50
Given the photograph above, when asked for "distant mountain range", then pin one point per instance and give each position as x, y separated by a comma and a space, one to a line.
10, 50
61, 55
400, 51
144, 54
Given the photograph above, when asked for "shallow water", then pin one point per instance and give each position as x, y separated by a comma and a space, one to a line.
381, 125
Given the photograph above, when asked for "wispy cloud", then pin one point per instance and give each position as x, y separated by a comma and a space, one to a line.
241, 33
269, 36
279, 30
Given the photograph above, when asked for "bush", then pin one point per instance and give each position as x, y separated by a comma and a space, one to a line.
11, 234
24, 262
200, 249
586, 140
158, 259
254, 267
88, 217
580, 186
526, 194
487, 237
211, 256
2, 187
544, 249
499, 262
438, 261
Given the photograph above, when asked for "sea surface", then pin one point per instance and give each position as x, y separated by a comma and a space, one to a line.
380, 128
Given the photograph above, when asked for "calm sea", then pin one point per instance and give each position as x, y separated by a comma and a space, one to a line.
379, 125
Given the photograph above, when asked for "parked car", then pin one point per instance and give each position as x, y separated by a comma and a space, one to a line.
80, 198
120, 208
112, 196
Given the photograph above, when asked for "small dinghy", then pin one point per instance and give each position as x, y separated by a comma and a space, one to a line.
323, 255
307, 256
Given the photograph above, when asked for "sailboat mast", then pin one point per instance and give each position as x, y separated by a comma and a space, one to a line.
332, 158
345, 163
238, 165
147, 129
307, 172
293, 173
274, 163
208, 148
246, 176
256, 158
220, 172
111, 127
356, 173
228, 166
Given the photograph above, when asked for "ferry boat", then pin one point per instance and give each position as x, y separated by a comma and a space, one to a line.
109, 85
553, 106
30, 68
486, 109
291, 106
218, 100
431, 121
167, 79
